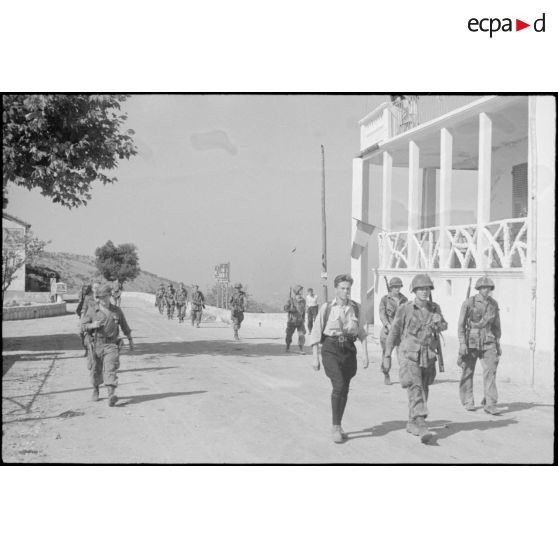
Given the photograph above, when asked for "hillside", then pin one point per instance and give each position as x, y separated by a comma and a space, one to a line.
75, 270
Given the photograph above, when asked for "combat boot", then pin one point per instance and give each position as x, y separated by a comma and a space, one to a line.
288, 347
412, 427
236, 336
423, 432
336, 434
112, 396
95, 394
492, 410
470, 407
387, 379
301, 347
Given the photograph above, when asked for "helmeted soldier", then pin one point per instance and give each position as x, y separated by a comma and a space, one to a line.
479, 335
197, 301
237, 303
415, 329
296, 311
181, 299
116, 293
169, 301
101, 324
160, 298
388, 308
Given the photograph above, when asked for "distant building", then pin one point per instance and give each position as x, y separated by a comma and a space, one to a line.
13, 238
460, 186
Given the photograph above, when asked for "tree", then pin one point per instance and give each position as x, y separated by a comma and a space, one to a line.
16, 253
61, 144
117, 263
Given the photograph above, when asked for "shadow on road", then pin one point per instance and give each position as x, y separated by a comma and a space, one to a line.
134, 399
152, 369
506, 408
213, 347
56, 341
442, 428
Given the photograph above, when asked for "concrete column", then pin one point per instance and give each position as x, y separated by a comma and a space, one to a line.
386, 204
413, 203
360, 201
446, 161
541, 231
428, 207
483, 187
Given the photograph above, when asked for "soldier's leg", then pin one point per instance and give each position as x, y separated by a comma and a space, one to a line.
383, 339
301, 338
199, 317
466, 383
489, 362
349, 369
289, 334
111, 363
415, 389
95, 366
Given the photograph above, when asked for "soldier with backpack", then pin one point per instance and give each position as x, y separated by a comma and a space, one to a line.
388, 307
181, 299
198, 304
160, 298
296, 311
337, 327
416, 330
238, 307
479, 335
169, 301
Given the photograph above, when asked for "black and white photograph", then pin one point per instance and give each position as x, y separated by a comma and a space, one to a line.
278, 278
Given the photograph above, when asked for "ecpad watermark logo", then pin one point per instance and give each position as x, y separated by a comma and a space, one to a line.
493, 25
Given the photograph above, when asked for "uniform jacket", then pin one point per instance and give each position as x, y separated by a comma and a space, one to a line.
111, 319
198, 299
238, 301
296, 310
181, 296
414, 330
479, 322
388, 308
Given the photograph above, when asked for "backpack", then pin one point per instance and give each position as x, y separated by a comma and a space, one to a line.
327, 312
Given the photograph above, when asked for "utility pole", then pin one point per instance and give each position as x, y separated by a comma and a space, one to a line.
324, 235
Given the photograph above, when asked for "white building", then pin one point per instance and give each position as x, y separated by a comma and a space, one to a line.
460, 186
13, 238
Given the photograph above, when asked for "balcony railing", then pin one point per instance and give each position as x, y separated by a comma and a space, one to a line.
503, 244
394, 118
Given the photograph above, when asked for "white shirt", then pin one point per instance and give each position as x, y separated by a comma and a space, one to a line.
341, 320
311, 300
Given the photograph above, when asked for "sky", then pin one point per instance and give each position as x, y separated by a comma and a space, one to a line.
222, 178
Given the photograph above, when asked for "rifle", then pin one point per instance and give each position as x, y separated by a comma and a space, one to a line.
387, 284
460, 362
437, 340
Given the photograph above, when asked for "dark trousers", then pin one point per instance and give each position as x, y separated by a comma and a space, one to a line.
312, 313
340, 366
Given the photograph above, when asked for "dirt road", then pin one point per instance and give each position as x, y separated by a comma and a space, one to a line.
192, 395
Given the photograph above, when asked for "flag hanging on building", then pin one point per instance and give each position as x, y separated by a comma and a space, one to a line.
360, 240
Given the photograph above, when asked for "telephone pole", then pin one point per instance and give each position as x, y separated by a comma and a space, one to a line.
324, 235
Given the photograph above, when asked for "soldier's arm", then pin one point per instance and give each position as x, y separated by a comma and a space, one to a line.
461, 324
124, 324
394, 337
382, 311
496, 328
442, 324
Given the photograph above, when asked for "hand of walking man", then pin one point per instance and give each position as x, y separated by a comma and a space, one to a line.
365, 361
316, 364
462, 349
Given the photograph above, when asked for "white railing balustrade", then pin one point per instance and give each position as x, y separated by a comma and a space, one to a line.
456, 247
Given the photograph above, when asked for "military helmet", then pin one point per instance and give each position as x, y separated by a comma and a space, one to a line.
105, 290
395, 282
297, 288
421, 280
238, 285
484, 281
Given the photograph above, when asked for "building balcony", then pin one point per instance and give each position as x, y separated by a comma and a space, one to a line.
496, 245
391, 119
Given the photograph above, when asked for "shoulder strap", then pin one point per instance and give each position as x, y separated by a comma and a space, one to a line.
325, 318
356, 308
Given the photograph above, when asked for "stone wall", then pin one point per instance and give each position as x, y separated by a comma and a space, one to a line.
34, 311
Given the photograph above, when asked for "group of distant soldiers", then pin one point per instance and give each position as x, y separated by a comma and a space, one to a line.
178, 299
412, 327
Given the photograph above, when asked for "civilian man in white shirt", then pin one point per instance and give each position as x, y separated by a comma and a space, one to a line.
337, 327
311, 308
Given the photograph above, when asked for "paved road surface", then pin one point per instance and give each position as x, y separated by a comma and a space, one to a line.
196, 396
